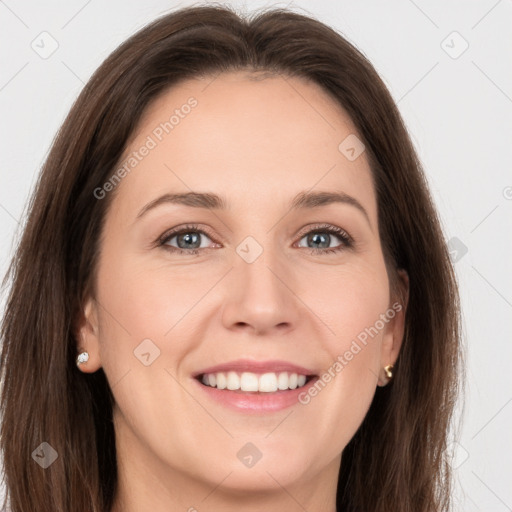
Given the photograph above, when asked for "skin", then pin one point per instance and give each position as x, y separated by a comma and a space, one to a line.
257, 143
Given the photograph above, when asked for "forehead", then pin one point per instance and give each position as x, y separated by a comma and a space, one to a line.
257, 141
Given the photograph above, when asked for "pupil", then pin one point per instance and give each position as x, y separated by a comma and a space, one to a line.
188, 237
314, 238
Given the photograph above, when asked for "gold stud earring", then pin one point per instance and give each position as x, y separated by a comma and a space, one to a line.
389, 371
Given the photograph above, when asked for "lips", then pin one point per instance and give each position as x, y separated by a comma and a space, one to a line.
255, 386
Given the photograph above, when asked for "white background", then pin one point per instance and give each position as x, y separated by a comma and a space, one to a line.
458, 111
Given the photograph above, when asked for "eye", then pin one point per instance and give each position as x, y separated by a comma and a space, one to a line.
188, 240
323, 236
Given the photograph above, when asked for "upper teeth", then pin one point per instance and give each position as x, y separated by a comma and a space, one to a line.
247, 381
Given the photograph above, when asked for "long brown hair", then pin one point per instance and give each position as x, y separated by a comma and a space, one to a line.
397, 459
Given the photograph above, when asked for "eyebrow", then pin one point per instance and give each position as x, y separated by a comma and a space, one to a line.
208, 200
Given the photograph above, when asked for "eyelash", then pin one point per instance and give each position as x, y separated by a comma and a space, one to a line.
347, 241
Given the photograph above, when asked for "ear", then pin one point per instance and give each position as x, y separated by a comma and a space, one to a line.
87, 336
394, 332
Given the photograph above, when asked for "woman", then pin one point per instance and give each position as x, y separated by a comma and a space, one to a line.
174, 339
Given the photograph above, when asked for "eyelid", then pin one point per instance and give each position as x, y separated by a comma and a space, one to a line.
340, 232
171, 233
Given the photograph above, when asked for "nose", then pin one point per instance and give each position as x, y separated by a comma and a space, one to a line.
261, 297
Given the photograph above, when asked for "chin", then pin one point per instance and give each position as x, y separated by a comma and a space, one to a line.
263, 469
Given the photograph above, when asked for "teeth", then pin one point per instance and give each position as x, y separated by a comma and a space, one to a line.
282, 381
221, 381
233, 381
247, 381
268, 382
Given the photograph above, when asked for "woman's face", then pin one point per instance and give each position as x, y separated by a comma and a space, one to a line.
254, 289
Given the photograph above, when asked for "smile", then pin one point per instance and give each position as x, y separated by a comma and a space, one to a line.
255, 387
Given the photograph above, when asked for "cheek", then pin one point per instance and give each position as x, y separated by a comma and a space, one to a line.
344, 391
150, 302
350, 301
146, 317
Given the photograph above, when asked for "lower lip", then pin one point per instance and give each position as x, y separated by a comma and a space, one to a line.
256, 402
